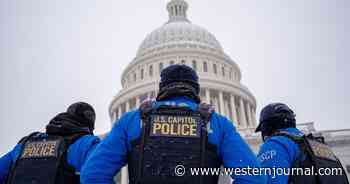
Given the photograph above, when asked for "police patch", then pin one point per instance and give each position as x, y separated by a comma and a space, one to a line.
268, 155
40, 149
321, 150
175, 126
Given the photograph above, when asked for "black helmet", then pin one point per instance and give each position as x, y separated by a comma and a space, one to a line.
179, 80
179, 73
275, 116
79, 118
84, 112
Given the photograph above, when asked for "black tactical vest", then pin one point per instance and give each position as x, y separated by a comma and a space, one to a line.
44, 161
172, 136
315, 154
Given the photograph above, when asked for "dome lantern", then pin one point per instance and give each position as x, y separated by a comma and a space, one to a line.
177, 10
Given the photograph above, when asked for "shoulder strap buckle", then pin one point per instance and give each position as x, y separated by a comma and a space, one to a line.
206, 111
145, 108
26, 138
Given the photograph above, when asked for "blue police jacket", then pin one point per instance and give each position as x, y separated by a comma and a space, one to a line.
279, 152
111, 154
76, 155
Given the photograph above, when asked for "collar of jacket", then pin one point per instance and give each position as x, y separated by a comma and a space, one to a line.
293, 131
178, 101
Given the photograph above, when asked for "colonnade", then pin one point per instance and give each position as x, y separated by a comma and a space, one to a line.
238, 109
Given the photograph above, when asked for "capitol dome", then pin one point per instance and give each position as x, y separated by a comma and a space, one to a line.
179, 41
177, 32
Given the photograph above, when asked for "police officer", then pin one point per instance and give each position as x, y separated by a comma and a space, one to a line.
54, 157
287, 149
175, 131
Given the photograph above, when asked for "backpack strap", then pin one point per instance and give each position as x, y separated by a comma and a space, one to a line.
206, 111
303, 144
65, 168
26, 138
299, 140
145, 108
302, 141
319, 138
69, 140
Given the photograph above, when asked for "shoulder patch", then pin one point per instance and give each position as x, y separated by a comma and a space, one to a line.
175, 126
183, 105
267, 155
41, 149
322, 150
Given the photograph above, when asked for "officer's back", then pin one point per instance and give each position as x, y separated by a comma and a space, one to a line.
297, 156
175, 131
56, 156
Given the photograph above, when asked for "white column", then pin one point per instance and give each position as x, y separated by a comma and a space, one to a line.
249, 115
127, 106
221, 102
210, 67
124, 176
242, 117
156, 69
120, 111
233, 106
254, 116
252, 123
207, 96
216, 104
227, 109
137, 101
114, 115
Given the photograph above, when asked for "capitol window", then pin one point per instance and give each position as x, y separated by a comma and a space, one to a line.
134, 76
215, 69
160, 67
183, 62
171, 62
142, 72
150, 71
223, 71
194, 65
231, 73
205, 66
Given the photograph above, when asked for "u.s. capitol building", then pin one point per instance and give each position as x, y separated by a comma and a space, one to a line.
179, 41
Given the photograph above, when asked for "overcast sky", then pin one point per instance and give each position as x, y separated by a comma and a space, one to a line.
53, 53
